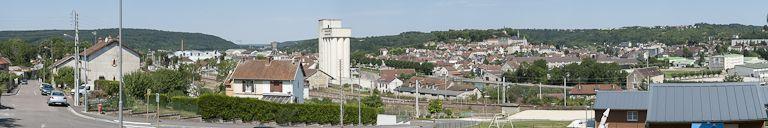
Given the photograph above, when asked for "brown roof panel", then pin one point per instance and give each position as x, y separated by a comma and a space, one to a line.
265, 70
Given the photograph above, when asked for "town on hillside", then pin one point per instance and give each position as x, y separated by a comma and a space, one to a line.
448, 74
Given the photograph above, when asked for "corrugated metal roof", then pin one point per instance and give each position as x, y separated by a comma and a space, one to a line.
621, 100
706, 102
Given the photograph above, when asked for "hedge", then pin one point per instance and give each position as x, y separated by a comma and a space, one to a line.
176, 102
214, 106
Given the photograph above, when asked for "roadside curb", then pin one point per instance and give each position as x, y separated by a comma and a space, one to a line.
89, 117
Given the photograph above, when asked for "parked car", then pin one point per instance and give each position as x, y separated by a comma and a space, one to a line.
82, 89
46, 89
24, 82
57, 98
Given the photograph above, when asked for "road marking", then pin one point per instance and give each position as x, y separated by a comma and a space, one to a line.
138, 123
42, 126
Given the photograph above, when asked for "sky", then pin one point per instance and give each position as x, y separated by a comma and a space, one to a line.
263, 21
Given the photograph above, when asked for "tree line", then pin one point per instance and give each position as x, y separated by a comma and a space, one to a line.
587, 71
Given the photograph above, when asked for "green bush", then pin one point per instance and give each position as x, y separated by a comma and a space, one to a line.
109, 87
223, 107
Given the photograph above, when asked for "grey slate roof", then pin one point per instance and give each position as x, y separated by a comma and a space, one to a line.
706, 102
622, 100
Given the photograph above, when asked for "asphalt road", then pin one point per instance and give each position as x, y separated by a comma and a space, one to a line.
29, 109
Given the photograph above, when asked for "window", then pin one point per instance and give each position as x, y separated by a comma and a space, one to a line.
248, 86
632, 116
275, 86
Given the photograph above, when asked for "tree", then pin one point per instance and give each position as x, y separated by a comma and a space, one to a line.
733, 78
435, 106
18, 51
66, 76
5, 78
373, 101
701, 60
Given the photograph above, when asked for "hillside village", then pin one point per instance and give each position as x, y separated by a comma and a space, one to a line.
700, 76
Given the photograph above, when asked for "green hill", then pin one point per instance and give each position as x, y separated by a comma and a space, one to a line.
697, 33
139, 39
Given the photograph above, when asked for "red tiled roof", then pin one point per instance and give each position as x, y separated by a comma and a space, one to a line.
591, 89
4, 60
265, 70
391, 74
101, 44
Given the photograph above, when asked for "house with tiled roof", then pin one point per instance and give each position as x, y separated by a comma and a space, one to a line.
641, 77
101, 61
279, 81
4, 63
389, 80
589, 90
434, 88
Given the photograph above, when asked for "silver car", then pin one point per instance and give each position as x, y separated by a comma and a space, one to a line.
57, 98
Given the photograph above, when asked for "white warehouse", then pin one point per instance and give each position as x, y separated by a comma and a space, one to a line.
759, 70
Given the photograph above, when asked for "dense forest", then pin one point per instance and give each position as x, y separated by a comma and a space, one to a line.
139, 39
670, 35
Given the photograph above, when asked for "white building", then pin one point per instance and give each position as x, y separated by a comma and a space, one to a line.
751, 70
333, 43
196, 55
725, 62
736, 42
272, 80
101, 61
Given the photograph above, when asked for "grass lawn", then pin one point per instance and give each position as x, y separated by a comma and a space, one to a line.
528, 124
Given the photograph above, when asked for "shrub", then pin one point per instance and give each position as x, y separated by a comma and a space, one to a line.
212, 106
109, 87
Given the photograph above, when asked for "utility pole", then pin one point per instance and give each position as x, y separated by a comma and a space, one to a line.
77, 58
417, 99
120, 68
504, 90
85, 73
359, 107
341, 93
565, 95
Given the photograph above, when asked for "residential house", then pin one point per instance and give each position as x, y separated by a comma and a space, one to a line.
677, 105
317, 79
389, 80
434, 88
4, 63
279, 81
102, 60
589, 90
640, 77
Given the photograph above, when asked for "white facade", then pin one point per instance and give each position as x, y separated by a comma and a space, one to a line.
333, 43
389, 87
103, 64
195, 55
725, 62
254, 88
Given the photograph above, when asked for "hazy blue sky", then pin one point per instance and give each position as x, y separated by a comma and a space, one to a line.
261, 21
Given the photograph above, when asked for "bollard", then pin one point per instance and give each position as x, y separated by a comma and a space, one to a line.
100, 109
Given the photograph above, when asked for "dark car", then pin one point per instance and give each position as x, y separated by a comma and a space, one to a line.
46, 89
